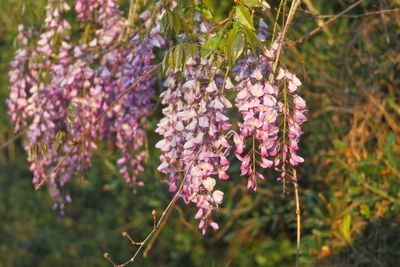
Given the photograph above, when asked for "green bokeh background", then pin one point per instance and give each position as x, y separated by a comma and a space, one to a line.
350, 190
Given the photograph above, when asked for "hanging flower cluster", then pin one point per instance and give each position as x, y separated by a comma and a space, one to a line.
257, 101
194, 143
59, 89
37, 101
294, 110
272, 113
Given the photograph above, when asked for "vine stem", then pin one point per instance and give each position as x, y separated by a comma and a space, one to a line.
295, 4
216, 26
12, 139
83, 135
133, 6
285, 112
156, 234
298, 217
276, 21
292, 11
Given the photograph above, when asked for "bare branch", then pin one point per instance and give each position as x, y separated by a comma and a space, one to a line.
319, 28
12, 139
298, 217
164, 214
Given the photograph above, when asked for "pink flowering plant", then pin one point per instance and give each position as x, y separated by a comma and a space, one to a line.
69, 93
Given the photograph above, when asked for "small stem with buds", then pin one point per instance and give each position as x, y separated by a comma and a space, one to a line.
163, 217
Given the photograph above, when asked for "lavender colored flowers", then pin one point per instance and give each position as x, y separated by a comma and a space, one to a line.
194, 143
272, 113
58, 90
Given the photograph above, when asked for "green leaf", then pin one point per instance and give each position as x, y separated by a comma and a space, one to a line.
59, 136
165, 62
170, 19
232, 13
171, 62
56, 147
191, 50
345, 227
252, 3
167, 22
207, 12
168, 61
225, 28
164, 23
223, 47
208, 4
237, 47
210, 46
32, 151
43, 149
387, 148
252, 40
339, 144
227, 43
235, 44
244, 17
365, 210
177, 23
355, 189
178, 56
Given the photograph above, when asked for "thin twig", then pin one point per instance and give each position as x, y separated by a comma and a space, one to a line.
171, 203
216, 26
316, 30
12, 139
381, 193
290, 16
314, 11
155, 235
292, 11
185, 222
371, 13
235, 214
276, 21
83, 135
298, 218
133, 6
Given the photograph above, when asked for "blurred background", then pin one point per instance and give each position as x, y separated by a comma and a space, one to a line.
349, 184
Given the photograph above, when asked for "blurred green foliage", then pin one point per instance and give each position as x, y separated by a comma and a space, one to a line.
350, 190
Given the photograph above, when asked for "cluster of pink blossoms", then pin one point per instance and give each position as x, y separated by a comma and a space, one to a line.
294, 116
257, 101
37, 102
270, 122
194, 145
58, 89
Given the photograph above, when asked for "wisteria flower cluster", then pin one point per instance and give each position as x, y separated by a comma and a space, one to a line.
270, 122
58, 89
37, 102
194, 143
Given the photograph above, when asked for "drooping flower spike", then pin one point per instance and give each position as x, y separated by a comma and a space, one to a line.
194, 140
